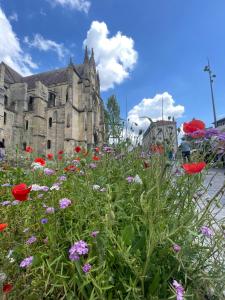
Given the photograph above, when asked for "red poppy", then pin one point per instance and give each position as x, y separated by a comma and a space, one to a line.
60, 152
3, 226
60, 157
96, 158
21, 191
70, 168
193, 168
29, 149
97, 149
7, 287
193, 126
77, 149
40, 161
157, 149
50, 156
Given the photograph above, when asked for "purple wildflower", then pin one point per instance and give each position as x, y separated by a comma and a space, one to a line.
31, 240
211, 132
50, 210
92, 165
179, 290
55, 186
15, 202
176, 248
44, 221
26, 262
62, 178
94, 233
130, 179
86, 268
48, 171
64, 203
5, 203
6, 184
206, 231
79, 248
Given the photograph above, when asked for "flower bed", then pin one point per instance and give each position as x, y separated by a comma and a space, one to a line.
108, 226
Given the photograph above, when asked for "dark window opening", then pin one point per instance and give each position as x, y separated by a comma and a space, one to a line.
67, 96
31, 104
5, 101
50, 122
26, 125
51, 99
24, 146
48, 144
5, 118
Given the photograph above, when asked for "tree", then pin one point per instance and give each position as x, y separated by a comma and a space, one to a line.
112, 119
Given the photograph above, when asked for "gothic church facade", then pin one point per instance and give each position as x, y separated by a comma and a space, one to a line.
52, 111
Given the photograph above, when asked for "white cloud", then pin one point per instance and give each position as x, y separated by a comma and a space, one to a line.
80, 5
13, 17
43, 44
115, 56
10, 50
152, 108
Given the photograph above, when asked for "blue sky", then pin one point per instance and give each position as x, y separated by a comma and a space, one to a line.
164, 47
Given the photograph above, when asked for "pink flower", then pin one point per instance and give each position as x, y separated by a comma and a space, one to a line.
176, 248
86, 268
179, 290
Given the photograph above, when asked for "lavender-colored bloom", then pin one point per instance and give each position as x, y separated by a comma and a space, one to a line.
48, 171
50, 210
143, 155
130, 179
206, 231
31, 240
15, 202
221, 136
44, 188
6, 184
86, 268
37, 187
26, 262
3, 277
5, 203
211, 132
55, 186
176, 248
92, 165
76, 162
179, 290
64, 203
44, 221
62, 178
94, 233
79, 248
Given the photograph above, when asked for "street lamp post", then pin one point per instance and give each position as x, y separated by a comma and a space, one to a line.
211, 78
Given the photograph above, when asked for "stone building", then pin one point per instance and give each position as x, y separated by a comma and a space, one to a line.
52, 111
220, 124
161, 131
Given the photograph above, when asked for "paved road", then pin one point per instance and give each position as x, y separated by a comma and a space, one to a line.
217, 178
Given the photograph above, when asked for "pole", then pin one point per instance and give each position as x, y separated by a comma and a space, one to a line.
212, 94
126, 118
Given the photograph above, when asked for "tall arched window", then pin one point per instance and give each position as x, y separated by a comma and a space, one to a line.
68, 121
31, 103
27, 125
5, 101
49, 144
51, 99
50, 122
5, 118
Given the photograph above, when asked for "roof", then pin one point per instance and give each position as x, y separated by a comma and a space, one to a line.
47, 78
11, 76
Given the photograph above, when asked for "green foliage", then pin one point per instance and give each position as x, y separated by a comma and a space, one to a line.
132, 256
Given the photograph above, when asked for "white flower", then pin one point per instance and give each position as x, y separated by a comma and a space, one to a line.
36, 166
96, 187
2, 277
35, 187
137, 179
55, 187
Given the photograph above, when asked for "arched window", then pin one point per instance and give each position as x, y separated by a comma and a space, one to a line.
50, 122
27, 125
68, 121
48, 144
51, 99
31, 103
5, 101
5, 118
67, 96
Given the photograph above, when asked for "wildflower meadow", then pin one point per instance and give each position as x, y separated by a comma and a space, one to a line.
109, 223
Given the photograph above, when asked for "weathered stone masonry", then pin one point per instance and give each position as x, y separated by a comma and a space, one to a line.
52, 111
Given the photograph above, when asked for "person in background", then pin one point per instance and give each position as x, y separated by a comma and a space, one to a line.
186, 150
2, 150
